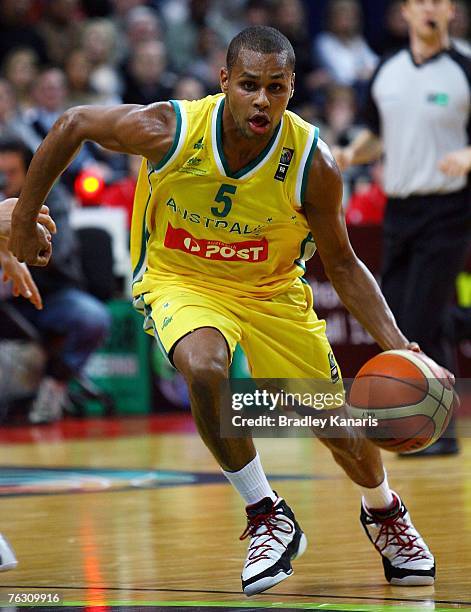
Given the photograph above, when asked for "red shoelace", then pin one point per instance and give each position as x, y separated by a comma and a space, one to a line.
395, 532
271, 522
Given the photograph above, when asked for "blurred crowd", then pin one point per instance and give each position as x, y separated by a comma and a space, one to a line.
59, 53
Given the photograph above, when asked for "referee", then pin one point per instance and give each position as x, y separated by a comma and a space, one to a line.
418, 113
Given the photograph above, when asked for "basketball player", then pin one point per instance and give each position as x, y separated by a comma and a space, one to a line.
22, 284
233, 192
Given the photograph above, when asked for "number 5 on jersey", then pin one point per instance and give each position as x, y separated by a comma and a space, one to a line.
224, 199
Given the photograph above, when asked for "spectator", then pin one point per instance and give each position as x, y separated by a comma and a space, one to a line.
188, 88
78, 71
99, 41
142, 24
339, 115
290, 18
120, 12
182, 35
16, 30
60, 28
72, 323
21, 69
368, 201
460, 28
50, 95
258, 13
209, 57
342, 50
395, 34
147, 79
11, 121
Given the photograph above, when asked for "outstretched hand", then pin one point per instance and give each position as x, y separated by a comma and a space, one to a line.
20, 277
31, 242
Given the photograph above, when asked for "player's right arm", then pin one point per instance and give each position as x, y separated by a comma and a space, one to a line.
140, 130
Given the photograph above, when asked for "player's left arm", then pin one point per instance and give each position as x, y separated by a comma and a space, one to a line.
354, 283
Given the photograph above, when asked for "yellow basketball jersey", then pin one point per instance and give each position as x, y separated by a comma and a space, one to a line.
198, 224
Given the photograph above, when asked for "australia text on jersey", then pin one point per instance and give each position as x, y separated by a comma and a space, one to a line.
197, 218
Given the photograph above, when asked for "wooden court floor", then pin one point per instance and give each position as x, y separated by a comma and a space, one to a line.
137, 517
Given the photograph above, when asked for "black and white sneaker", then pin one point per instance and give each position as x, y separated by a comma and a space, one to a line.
7, 556
407, 560
275, 540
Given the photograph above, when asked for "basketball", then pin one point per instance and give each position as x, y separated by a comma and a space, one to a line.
407, 395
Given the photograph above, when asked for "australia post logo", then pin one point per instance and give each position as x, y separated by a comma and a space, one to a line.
250, 251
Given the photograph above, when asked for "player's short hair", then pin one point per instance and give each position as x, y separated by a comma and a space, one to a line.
261, 39
11, 144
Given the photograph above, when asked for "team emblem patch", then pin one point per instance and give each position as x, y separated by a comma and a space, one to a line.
285, 160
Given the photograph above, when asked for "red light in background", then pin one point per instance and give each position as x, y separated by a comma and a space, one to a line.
88, 187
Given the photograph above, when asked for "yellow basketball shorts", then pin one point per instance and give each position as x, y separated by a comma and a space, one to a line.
281, 337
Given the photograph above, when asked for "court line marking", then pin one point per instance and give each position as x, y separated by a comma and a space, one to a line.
119, 479
263, 606
220, 592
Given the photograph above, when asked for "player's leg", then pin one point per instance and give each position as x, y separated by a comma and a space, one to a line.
298, 348
199, 334
407, 560
203, 359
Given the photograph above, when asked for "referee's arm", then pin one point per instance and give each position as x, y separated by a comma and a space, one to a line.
367, 146
456, 163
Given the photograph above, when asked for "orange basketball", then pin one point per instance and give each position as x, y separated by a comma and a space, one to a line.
407, 395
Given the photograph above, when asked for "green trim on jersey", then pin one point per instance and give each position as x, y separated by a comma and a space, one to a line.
145, 235
176, 138
246, 169
307, 165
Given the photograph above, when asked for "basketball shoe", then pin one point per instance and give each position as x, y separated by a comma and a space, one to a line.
275, 540
407, 560
7, 556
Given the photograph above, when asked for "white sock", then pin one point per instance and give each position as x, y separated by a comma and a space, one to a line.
251, 482
380, 497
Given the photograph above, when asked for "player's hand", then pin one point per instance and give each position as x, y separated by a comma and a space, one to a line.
457, 163
445, 374
31, 242
22, 281
343, 156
